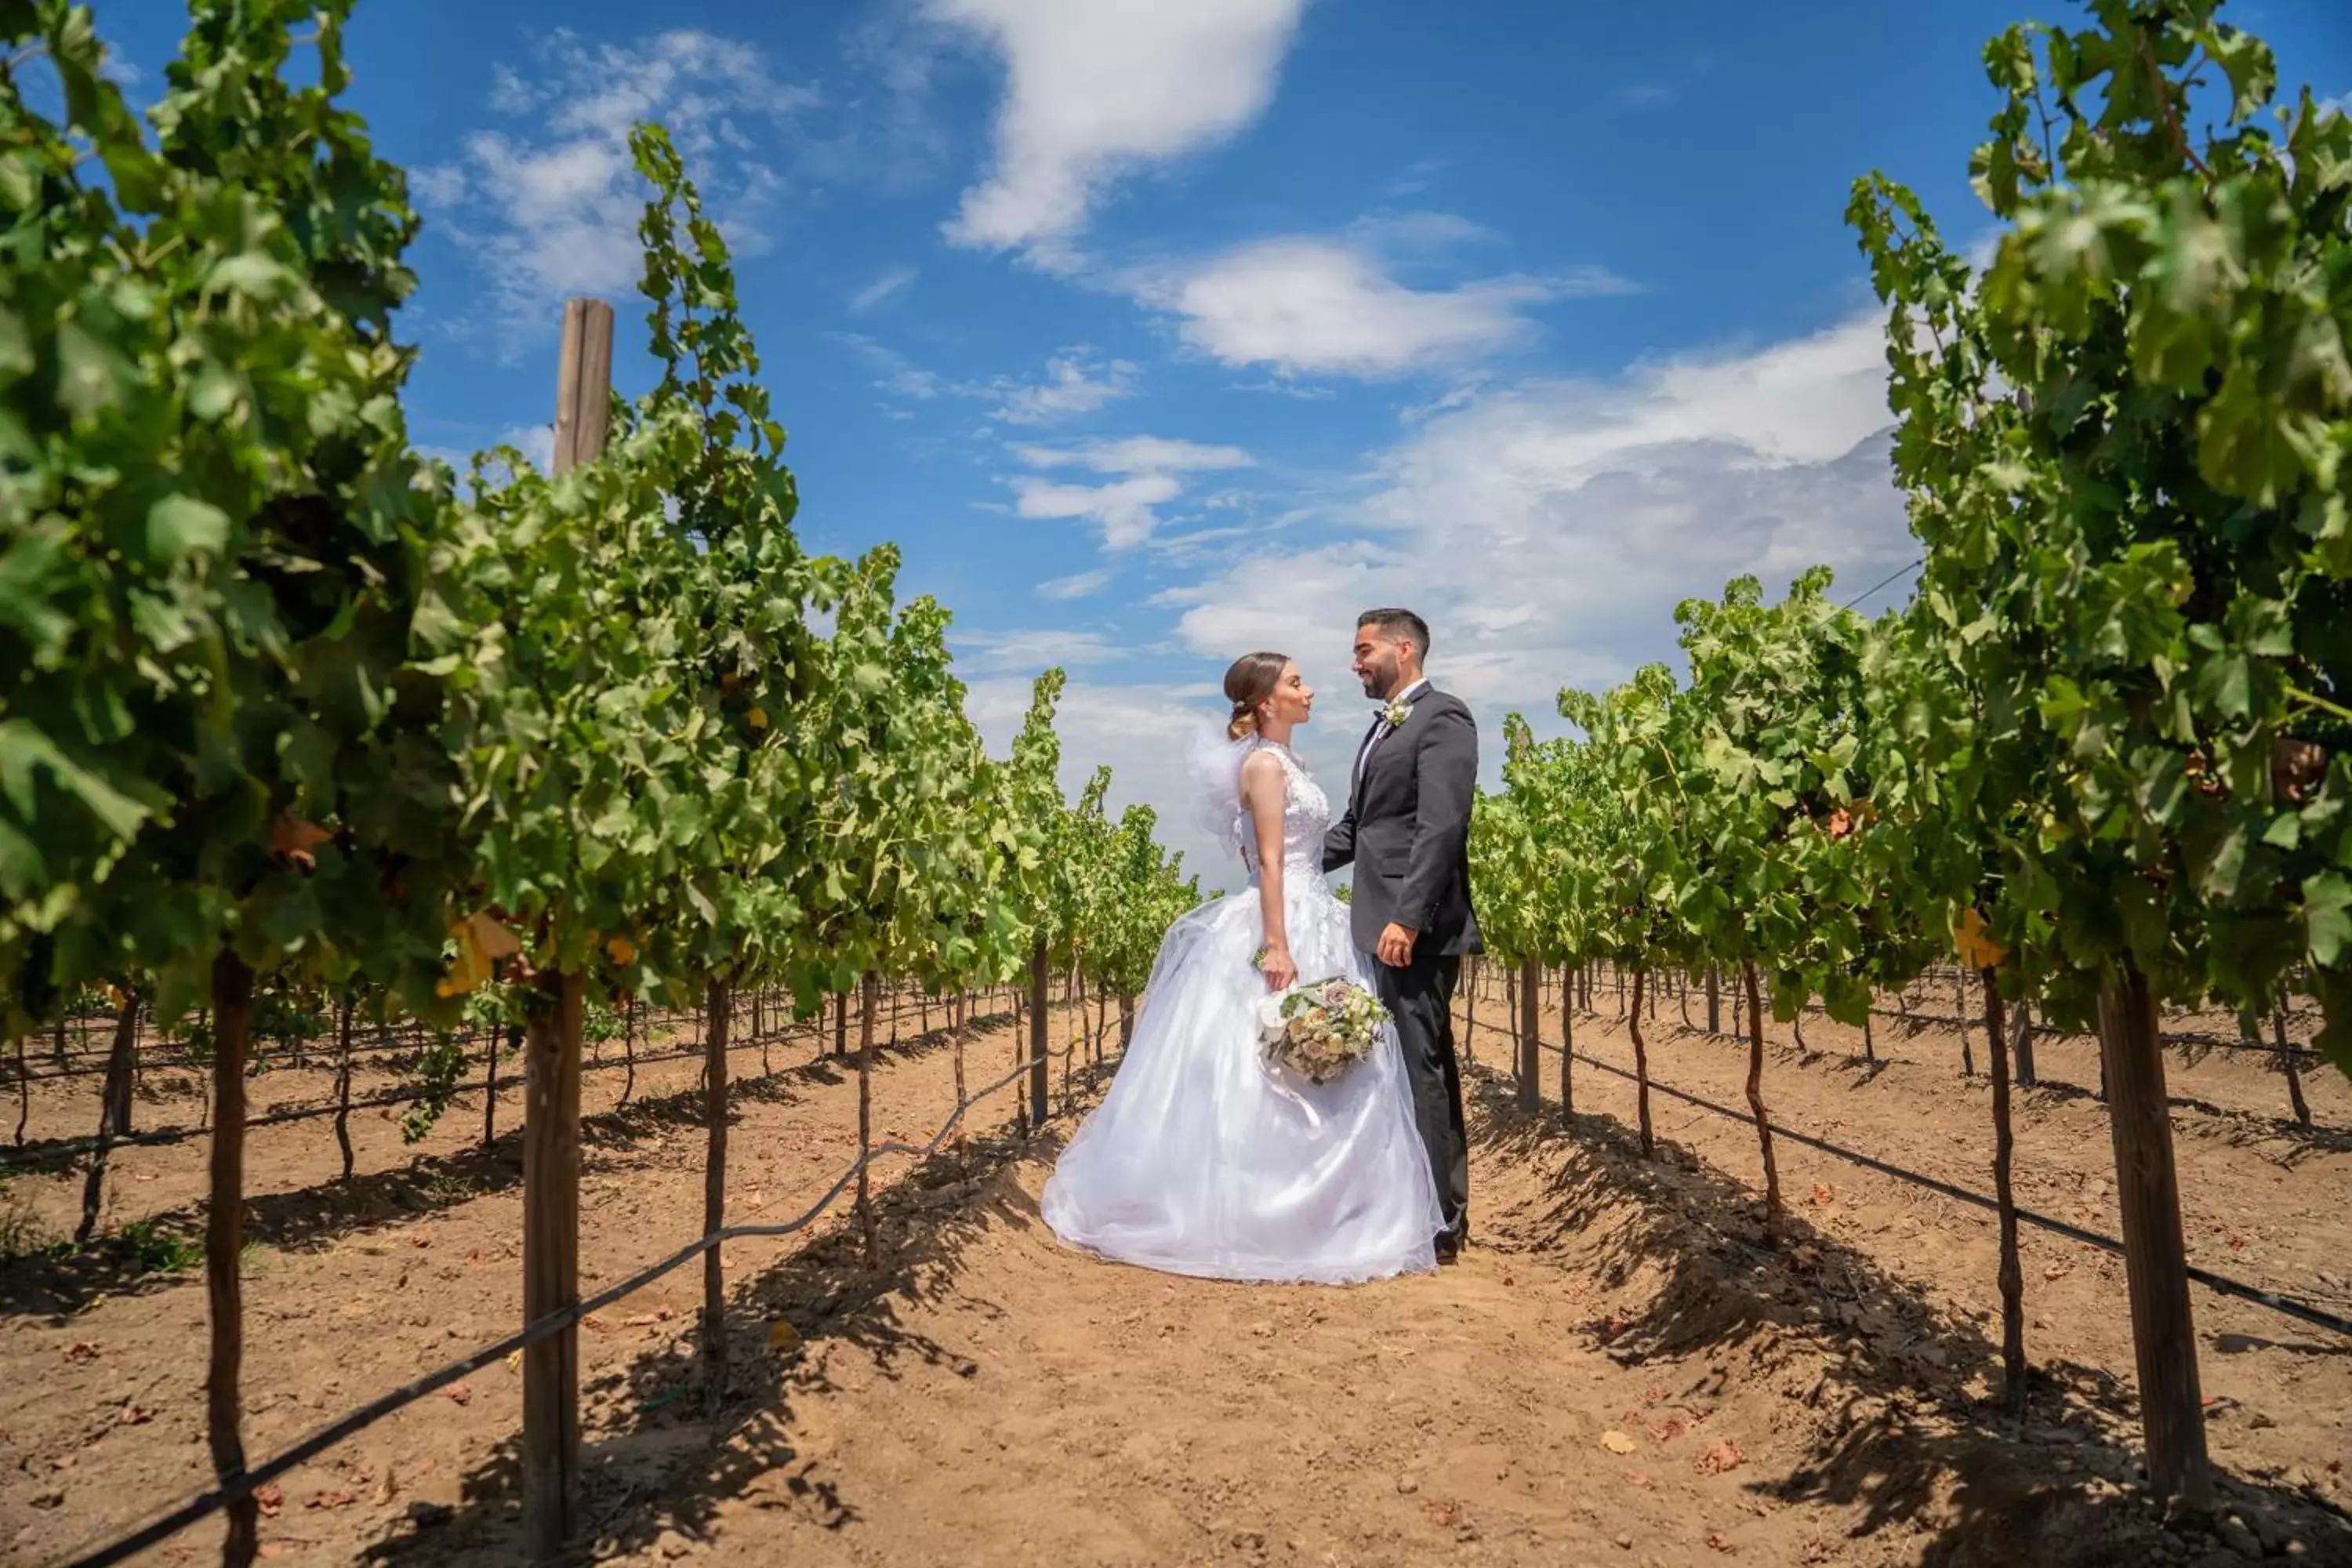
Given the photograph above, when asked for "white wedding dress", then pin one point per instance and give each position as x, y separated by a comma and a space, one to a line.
1199, 1161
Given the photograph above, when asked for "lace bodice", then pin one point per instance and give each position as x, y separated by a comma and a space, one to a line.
1306, 818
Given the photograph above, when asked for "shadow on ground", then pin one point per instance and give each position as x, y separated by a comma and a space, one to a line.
1902, 1419
656, 1465
58, 1283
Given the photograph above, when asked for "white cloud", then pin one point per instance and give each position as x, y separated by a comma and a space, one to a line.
1141, 730
536, 442
1074, 382
1034, 650
895, 372
1137, 455
890, 284
1665, 92
1077, 585
550, 209
1315, 305
1548, 528
1414, 178
1094, 87
1123, 507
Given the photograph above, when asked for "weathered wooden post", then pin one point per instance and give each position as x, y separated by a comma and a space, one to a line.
550, 1135
714, 1198
1040, 1083
1529, 1064
2156, 1262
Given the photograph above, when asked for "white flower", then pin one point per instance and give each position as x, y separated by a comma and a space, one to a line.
1396, 713
1271, 1025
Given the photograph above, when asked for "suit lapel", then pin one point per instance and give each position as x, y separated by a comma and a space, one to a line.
1391, 744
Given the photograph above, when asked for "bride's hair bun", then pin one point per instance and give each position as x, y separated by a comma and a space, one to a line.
1248, 684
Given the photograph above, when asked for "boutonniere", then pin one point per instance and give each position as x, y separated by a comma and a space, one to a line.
1396, 712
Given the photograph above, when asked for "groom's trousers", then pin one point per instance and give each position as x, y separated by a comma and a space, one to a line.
1420, 996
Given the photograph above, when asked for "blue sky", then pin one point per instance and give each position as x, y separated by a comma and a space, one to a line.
1157, 331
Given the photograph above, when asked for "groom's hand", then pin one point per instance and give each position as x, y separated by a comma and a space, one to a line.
1396, 944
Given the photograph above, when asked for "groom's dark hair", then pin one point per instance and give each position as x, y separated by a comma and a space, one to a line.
1400, 623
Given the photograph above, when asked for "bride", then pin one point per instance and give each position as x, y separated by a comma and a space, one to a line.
1201, 1161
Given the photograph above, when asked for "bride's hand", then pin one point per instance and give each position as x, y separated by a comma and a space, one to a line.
1280, 973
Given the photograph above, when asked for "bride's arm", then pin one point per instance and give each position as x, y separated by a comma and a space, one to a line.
1264, 786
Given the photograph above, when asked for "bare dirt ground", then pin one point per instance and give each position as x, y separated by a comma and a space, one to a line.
1625, 1368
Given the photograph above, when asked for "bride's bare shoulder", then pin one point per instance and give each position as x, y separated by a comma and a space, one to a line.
1261, 766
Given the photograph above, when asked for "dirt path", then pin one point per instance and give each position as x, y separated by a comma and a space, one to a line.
2262, 1201
1622, 1370
352, 1293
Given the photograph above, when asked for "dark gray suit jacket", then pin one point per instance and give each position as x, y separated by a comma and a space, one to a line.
1407, 829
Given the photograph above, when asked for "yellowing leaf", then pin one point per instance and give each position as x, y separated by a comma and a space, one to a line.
758, 718
482, 940
1978, 949
783, 1336
291, 836
1616, 1442
496, 940
621, 950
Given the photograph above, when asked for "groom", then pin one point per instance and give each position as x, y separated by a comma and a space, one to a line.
1407, 831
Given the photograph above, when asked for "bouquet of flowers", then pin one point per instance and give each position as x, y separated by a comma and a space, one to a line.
1320, 1029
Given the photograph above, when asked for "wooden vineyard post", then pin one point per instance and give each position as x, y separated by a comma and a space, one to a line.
224, 1251
1567, 1045
2286, 1063
714, 1200
343, 1084
1019, 1042
1641, 1064
491, 1087
1530, 1064
629, 1047
584, 384
550, 1129
1040, 1083
551, 1264
841, 1025
2004, 1145
1470, 1015
870, 990
116, 1113
1714, 1000
24, 1091
1756, 1092
2155, 1263
2021, 1042
1967, 1052
1511, 1021
113, 1115
959, 1017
